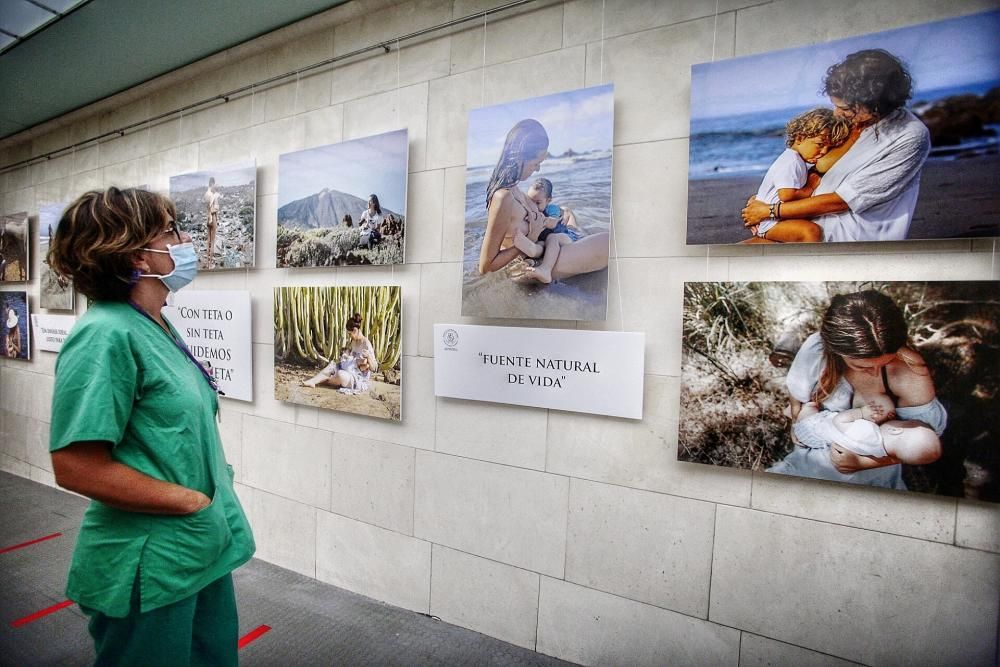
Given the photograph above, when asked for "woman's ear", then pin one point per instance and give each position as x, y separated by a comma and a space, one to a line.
139, 262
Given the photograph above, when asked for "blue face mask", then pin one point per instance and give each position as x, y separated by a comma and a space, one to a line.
185, 266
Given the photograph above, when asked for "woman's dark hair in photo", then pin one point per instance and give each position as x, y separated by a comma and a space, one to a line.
873, 79
100, 233
348, 221
861, 325
524, 141
373, 199
353, 322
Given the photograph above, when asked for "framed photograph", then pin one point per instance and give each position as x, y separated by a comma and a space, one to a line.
14, 266
538, 207
339, 348
881, 137
56, 292
891, 385
217, 207
344, 204
15, 328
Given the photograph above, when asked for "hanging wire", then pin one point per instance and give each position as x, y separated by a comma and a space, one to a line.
482, 101
715, 29
611, 215
398, 120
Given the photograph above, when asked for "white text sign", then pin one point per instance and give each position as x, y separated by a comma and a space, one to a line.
51, 330
596, 372
216, 327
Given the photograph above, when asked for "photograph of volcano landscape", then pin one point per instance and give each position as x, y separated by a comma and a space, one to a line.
343, 204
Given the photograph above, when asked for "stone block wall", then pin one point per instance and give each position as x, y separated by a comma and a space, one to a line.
578, 536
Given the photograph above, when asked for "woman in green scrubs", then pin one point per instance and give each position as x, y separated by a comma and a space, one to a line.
134, 429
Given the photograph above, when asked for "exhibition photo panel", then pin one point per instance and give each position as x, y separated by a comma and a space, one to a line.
339, 348
217, 208
881, 137
15, 326
344, 204
14, 248
538, 207
891, 385
55, 291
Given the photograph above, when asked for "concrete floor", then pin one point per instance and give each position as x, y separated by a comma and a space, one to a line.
311, 623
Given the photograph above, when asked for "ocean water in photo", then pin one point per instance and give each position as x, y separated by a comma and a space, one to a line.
747, 144
581, 183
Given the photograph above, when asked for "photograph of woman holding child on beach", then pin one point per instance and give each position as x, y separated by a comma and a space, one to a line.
891, 385
883, 137
538, 207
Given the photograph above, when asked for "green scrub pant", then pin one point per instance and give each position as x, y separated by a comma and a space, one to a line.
198, 630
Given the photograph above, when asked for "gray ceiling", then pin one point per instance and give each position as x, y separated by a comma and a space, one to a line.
107, 46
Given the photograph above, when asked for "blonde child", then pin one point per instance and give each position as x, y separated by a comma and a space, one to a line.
808, 137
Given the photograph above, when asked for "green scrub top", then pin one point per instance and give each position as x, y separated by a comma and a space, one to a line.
120, 379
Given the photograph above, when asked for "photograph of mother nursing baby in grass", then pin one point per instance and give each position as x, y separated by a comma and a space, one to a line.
882, 137
538, 207
893, 385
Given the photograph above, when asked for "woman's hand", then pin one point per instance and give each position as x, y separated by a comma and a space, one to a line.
755, 212
199, 501
87, 468
846, 461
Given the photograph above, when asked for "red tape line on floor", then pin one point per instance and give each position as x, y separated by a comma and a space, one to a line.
28, 544
39, 614
252, 635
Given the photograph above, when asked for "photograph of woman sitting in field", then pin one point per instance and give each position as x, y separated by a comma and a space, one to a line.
888, 385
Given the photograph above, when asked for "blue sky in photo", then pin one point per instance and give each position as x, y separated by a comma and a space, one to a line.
580, 119
226, 176
360, 167
49, 214
941, 54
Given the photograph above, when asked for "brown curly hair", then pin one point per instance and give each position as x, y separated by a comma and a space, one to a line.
99, 235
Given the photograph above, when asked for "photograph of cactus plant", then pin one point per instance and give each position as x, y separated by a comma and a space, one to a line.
339, 348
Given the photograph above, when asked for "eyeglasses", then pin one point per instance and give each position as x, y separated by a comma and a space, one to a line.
173, 229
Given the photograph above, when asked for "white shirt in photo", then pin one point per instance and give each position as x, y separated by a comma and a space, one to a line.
788, 171
879, 178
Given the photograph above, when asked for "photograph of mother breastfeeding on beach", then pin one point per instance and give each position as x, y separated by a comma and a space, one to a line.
339, 348
538, 207
344, 204
882, 137
893, 385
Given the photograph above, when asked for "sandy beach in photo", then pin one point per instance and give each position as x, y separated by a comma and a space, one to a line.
382, 399
959, 198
